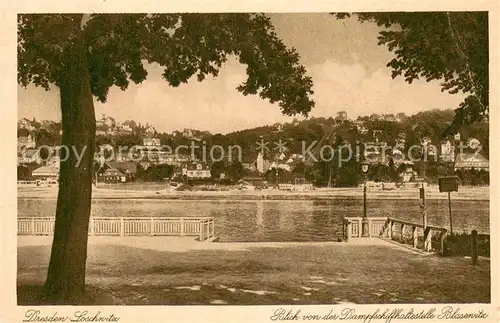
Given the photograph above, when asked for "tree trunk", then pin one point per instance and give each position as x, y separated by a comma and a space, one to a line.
66, 275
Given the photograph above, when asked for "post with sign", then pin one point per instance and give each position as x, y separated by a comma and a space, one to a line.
423, 206
365, 230
449, 184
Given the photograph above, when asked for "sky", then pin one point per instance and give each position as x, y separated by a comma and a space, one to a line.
342, 57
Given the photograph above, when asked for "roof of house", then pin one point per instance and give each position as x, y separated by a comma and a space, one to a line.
112, 171
193, 166
124, 166
30, 152
44, 170
471, 160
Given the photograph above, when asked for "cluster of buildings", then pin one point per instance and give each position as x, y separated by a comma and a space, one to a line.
448, 151
190, 134
113, 167
107, 125
27, 124
121, 166
48, 156
278, 161
149, 153
124, 164
197, 170
116, 172
27, 151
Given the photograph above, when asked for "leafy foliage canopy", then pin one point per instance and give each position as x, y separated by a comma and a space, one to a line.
448, 46
120, 45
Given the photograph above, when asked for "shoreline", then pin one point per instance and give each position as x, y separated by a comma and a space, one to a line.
473, 194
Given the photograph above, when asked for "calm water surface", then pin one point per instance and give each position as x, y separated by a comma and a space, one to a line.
303, 220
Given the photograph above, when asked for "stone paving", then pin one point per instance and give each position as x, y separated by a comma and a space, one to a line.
179, 244
181, 270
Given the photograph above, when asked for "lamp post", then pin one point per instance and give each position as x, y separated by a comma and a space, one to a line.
365, 230
167, 183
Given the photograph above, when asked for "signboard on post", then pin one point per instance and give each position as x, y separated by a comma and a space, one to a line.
423, 206
448, 184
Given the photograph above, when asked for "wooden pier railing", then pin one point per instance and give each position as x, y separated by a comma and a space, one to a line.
430, 238
353, 225
204, 227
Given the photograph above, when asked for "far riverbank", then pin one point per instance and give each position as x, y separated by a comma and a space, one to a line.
432, 193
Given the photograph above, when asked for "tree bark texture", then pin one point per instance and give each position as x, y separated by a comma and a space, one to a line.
65, 282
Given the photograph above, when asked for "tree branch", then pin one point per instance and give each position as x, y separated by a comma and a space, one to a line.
85, 18
465, 60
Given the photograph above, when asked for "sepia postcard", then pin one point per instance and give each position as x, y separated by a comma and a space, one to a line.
250, 162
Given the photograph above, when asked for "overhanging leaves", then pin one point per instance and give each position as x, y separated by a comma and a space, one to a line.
185, 45
448, 46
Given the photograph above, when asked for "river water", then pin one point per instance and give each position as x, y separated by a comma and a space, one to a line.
279, 220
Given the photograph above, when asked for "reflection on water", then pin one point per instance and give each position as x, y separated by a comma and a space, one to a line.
267, 220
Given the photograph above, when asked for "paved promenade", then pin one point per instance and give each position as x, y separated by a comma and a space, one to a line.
181, 270
182, 244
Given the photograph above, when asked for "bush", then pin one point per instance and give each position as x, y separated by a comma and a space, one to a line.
460, 244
